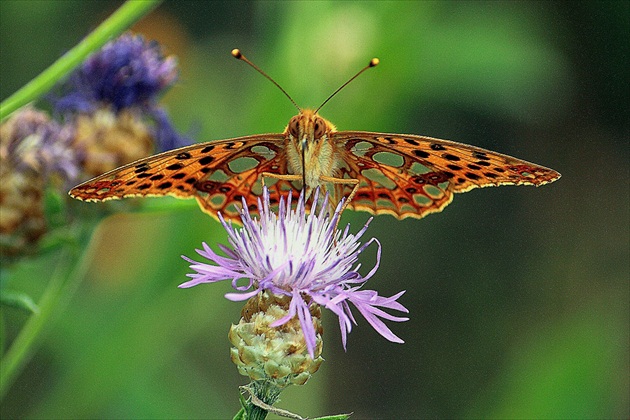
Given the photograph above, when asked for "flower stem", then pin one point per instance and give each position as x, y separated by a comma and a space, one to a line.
263, 394
64, 281
119, 21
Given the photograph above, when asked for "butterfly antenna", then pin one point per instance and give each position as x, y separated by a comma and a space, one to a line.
236, 53
373, 63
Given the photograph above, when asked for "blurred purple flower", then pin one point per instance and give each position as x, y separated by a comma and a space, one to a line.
35, 153
31, 141
301, 256
127, 73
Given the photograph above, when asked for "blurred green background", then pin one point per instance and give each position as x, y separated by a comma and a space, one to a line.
518, 297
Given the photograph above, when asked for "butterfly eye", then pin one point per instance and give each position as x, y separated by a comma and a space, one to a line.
319, 128
294, 128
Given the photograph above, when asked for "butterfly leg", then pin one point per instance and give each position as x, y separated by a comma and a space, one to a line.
287, 177
332, 180
343, 181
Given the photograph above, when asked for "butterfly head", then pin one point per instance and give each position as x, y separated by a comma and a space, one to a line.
307, 129
309, 145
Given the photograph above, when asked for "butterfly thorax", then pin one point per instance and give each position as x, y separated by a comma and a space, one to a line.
309, 144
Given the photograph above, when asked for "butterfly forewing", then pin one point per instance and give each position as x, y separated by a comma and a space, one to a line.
401, 175
218, 174
412, 176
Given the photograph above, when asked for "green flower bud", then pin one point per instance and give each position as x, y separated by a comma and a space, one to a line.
274, 354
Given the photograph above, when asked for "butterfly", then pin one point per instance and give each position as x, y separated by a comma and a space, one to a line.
403, 175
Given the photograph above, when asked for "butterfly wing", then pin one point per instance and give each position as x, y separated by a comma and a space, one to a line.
218, 174
412, 176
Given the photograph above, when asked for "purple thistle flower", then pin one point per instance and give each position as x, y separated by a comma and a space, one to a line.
301, 256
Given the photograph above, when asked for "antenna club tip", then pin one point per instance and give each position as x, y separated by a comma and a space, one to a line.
236, 53
374, 62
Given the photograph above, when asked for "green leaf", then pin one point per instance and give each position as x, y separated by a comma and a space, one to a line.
19, 300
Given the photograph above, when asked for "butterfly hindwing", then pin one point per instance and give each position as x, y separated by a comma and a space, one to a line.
227, 196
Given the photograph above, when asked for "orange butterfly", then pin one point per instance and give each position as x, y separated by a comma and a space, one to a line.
398, 174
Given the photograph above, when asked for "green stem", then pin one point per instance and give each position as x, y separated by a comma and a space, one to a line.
118, 22
64, 281
266, 393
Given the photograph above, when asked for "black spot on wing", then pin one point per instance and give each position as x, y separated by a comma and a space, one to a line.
480, 155
141, 168
421, 154
174, 166
206, 160
450, 157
